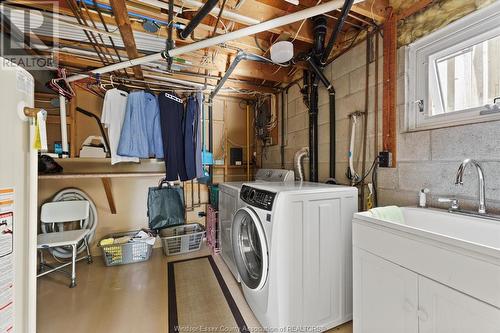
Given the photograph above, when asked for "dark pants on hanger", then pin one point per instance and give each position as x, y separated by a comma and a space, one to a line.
190, 124
171, 116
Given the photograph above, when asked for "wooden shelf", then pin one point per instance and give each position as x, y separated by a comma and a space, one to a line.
105, 179
233, 166
70, 175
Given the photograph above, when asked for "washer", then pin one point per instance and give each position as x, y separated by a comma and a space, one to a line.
292, 249
229, 202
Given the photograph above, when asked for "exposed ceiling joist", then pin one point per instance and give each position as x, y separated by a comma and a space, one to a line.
374, 9
123, 23
414, 8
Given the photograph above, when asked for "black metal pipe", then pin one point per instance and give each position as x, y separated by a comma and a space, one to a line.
200, 15
319, 74
305, 91
331, 90
333, 150
170, 42
336, 31
319, 32
313, 129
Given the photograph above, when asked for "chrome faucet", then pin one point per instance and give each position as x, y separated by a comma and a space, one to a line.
460, 176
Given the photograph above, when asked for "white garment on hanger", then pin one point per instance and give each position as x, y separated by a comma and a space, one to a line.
113, 113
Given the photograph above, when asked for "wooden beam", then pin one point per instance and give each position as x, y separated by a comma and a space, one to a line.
390, 86
106, 182
123, 22
374, 9
414, 8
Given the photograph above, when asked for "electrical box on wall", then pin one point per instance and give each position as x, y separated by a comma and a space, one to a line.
385, 159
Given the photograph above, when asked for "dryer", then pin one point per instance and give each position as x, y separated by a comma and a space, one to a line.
229, 202
292, 249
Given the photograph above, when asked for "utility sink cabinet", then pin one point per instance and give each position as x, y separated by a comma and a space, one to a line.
428, 274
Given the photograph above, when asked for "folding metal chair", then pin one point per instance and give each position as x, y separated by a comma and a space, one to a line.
58, 213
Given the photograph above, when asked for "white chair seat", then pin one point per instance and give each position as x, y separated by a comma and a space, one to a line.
63, 238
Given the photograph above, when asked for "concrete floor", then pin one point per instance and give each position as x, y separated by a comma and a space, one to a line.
128, 298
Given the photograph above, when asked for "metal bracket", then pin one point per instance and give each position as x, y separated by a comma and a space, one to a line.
31, 112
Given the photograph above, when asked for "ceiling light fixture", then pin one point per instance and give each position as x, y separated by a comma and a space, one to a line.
282, 52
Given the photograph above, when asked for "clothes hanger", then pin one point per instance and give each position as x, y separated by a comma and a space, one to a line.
61, 84
174, 98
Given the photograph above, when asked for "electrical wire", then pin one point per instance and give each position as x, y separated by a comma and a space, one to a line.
375, 162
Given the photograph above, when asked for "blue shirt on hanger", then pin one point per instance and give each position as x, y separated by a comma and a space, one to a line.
141, 132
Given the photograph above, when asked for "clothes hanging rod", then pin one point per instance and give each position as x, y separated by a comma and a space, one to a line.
248, 31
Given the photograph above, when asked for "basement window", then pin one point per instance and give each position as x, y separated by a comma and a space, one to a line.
454, 73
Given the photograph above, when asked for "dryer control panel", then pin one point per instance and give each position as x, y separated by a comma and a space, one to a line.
257, 197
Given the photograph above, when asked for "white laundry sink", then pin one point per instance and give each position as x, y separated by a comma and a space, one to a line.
475, 233
462, 252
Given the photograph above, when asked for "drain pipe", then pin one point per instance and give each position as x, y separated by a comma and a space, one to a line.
200, 15
331, 96
298, 163
338, 28
313, 129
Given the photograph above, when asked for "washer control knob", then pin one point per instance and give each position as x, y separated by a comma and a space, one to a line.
252, 194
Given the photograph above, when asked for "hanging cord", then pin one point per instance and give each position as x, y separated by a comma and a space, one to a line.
351, 172
372, 168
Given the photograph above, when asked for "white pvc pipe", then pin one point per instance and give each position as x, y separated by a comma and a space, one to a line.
248, 31
172, 80
160, 4
64, 126
227, 14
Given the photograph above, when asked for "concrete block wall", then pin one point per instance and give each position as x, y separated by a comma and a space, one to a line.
347, 73
425, 159
431, 159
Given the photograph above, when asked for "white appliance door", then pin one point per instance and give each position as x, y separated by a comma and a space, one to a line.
250, 248
17, 302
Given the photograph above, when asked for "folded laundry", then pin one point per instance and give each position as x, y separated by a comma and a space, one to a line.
141, 236
144, 237
388, 213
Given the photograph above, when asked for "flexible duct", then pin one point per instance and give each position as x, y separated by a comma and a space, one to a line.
71, 194
298, 163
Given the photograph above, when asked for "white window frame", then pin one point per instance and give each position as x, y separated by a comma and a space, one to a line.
472, 29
